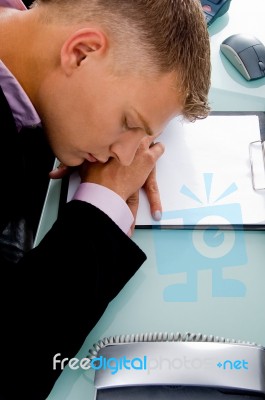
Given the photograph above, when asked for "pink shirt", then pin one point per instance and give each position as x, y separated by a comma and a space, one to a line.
25, 115
17, 4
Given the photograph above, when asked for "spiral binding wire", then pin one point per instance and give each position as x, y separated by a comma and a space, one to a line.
160, 337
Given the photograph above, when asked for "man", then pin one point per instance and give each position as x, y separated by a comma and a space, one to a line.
101, 79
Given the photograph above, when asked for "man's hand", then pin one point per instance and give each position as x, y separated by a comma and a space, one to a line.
124, 180
153, 196
116, 177
152, 192
127, 180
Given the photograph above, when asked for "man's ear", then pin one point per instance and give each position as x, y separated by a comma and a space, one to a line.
79, 46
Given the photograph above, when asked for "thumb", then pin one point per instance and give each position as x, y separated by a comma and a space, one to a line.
59, 172
133, 203
157, 149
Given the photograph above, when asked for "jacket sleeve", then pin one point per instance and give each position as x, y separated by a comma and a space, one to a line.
62, 287
86, 257
84, 246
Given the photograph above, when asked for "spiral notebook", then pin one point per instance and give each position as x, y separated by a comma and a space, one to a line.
211, 174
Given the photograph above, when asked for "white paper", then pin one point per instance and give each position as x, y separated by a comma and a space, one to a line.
204, 176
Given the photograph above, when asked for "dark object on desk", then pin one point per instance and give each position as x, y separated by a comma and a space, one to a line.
177, 366
247, 54
214, 9
159, 392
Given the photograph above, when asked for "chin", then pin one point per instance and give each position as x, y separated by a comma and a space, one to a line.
70, 161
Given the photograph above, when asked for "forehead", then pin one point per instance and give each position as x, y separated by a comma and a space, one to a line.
158, 97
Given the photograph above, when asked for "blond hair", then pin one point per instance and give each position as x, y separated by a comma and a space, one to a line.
171, 35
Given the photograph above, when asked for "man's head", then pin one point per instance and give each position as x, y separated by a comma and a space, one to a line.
124, 68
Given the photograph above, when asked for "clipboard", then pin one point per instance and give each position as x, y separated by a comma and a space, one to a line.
207, 195
219, 174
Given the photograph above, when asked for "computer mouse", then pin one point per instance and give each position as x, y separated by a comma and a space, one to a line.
246, 53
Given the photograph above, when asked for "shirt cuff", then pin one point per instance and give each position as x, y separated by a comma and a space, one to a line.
107, 201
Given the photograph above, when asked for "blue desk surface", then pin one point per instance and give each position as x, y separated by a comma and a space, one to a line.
215, 288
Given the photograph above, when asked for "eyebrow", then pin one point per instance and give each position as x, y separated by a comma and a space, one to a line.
147, 128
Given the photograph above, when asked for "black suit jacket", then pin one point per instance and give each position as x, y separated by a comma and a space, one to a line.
55, 294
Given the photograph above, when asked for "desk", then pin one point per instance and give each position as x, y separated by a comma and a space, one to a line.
213, 293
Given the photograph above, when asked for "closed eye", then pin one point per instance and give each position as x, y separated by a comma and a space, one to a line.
128, 126
131, 125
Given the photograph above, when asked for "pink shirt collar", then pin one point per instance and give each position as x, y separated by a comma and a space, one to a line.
22, 109
17, 4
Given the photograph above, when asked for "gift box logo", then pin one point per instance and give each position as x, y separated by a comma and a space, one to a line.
197, 249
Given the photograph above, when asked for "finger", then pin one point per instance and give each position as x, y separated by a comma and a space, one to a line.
153, 195
59, 172
148, 142
133, 203
156, 149
147, 156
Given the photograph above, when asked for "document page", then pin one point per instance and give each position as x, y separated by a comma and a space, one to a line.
204, 175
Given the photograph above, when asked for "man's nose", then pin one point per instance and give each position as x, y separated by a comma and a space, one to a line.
125, 148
